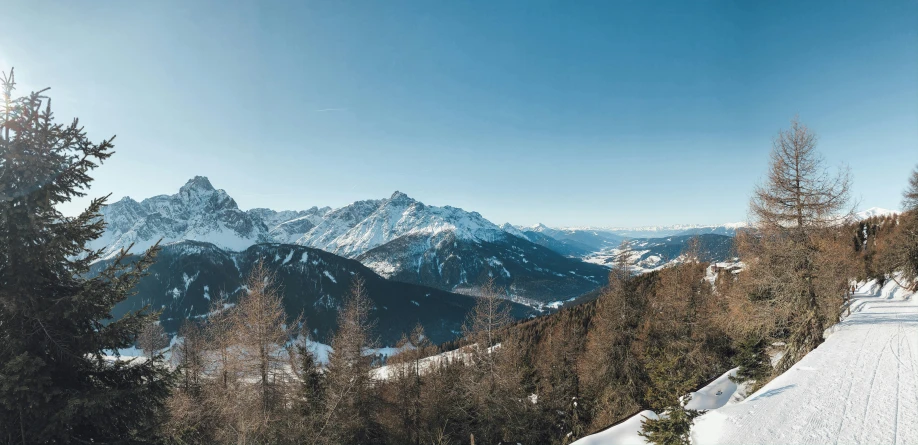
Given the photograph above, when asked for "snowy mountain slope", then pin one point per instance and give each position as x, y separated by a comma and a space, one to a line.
513, 230
653, 253
364, 227
189, 276
446, 260
273, 218
450, 249
287, 226
336, 223
859, 387
537, 234
566, 247
594, 239
197, 212
728, 229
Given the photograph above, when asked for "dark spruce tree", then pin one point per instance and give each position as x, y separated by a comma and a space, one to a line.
56, 385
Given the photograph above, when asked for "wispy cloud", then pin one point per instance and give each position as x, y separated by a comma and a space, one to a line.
326, 110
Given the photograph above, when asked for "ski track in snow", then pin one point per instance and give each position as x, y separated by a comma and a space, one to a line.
859, 387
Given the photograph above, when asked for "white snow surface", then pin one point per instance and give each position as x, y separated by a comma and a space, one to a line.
425, 364
363, 225
624, 433
859, 387
720, 392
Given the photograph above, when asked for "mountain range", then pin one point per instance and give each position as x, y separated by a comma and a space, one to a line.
405, 248
398, 238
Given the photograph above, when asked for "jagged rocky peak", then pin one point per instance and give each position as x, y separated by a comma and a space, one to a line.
197, 212
399, 199
125, 204
199, 191
197, 184
399, 196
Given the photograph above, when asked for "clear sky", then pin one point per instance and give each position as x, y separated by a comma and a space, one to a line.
602, 112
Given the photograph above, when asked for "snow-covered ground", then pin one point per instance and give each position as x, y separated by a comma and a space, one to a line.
427, 363
859, 387
721, 392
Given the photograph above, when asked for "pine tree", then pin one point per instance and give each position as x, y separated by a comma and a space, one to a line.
55, 324
752, 360
311, 401
404, 387
672, 428
907, 241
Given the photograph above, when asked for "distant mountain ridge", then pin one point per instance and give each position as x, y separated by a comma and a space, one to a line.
874, 212
727, 229
649, 254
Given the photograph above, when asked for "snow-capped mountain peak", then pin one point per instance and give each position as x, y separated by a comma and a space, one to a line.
363, 225
198, 184
397, 195
197, 212
511, 229
872, 212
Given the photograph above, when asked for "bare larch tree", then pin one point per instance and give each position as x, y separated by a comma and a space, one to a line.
799, 201
152, 339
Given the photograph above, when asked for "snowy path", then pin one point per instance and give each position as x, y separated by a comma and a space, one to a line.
859, 387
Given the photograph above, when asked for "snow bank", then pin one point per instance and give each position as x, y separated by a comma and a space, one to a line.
625, 433
720, 392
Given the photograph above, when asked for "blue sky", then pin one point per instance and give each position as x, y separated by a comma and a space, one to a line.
604, 113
